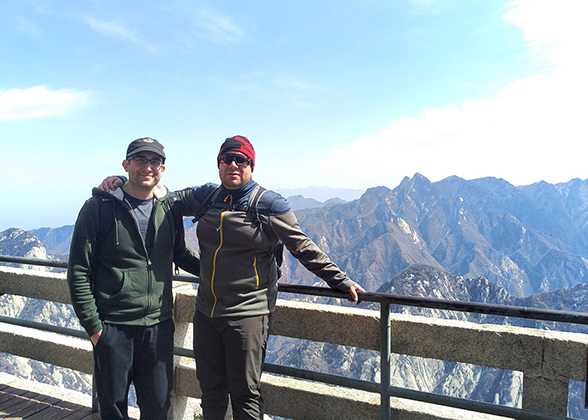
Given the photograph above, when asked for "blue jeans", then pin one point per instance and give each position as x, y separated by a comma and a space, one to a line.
143, 356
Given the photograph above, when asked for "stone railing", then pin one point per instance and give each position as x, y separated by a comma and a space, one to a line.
548, 360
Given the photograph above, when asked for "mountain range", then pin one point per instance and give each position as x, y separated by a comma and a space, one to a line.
527, 239
481, 240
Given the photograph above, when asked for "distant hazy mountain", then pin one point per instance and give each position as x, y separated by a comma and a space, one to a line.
322, 193
56, 240
298, 202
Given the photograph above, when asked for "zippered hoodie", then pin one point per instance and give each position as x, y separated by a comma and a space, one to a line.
116, 281
238, 275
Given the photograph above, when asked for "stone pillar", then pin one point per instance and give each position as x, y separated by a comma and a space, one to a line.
182, 408
545, 394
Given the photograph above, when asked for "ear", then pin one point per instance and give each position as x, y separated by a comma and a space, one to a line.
162, 170
125, 165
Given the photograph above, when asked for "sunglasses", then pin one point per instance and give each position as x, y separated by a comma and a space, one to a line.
240, 160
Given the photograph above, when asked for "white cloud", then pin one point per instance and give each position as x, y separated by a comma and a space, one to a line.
116, 30
38, 101
534, 129
112, 29
555, 30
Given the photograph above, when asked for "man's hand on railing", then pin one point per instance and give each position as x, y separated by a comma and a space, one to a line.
353, 290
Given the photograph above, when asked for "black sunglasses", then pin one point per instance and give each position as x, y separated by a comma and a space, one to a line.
240, 160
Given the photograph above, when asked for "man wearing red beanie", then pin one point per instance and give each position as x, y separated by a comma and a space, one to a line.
238, 280
240, 225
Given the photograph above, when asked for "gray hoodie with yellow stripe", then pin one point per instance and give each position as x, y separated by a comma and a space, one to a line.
238, 272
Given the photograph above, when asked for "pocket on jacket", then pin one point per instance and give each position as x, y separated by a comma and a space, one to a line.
133, 287
109, 282
124, 280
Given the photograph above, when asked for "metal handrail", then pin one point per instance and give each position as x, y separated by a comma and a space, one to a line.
392, 299
385, 300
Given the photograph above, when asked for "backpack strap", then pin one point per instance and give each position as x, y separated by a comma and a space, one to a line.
254, 198
252, 204
250, 208
176, 209
207, 203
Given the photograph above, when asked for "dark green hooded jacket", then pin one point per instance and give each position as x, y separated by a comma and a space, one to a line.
116, 281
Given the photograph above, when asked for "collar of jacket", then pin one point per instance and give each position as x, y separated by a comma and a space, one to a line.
160, 192
237, 195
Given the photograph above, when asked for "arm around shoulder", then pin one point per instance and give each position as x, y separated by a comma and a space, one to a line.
193, 198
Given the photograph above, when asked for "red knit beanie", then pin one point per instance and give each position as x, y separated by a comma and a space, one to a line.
240, 143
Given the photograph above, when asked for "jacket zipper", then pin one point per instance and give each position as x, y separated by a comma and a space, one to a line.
255, 269
220, 230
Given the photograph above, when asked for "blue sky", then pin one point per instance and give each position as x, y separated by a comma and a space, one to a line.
331, 93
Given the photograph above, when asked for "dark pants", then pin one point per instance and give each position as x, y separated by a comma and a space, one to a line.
142, 355
229, 356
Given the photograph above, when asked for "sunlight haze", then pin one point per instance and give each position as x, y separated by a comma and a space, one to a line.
349, 95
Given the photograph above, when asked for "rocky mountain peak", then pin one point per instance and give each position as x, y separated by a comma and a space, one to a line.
19, 243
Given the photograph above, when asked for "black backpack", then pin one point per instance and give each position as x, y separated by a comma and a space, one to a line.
251, 209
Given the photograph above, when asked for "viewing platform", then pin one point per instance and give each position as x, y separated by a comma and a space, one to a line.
546, 360
24, 399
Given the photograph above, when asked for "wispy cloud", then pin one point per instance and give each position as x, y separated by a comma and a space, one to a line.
298, 93
217, 27
288, 90
291, 83
119, 31
38, 102
533, 129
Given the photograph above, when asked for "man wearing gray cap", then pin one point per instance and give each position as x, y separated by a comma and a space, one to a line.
120, 277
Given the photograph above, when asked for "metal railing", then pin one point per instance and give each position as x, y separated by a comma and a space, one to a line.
385, 301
